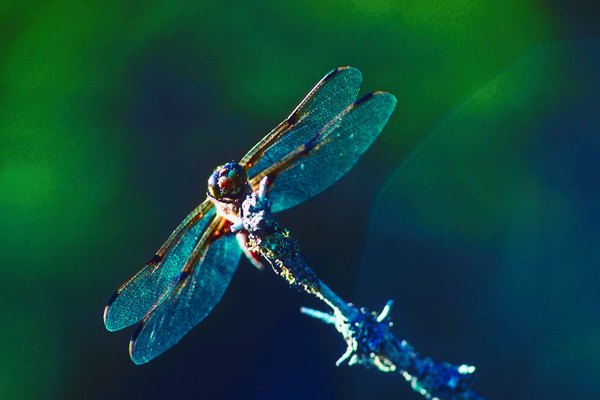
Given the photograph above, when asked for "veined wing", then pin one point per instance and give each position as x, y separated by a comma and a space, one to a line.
199, 289
329, 153
141, 293
324, 102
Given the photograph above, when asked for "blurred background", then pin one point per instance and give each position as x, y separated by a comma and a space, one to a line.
477, 209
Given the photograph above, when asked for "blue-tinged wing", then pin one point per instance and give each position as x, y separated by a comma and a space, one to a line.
194, 297
329, 153
325, 101
142, 293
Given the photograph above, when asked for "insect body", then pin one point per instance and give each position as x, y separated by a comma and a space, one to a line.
305, 154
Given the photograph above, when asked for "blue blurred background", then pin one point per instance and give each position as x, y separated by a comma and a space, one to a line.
477, 209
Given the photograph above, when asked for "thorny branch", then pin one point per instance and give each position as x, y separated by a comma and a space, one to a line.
369, 340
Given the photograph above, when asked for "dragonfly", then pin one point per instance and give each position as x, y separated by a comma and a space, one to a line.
317, 144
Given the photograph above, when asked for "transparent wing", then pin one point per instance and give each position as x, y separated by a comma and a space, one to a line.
192, 300
325, 101
329, 153
140, 294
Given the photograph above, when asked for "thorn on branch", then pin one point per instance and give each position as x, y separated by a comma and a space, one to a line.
371, 344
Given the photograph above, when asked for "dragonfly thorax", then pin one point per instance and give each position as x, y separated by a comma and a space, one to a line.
228, 183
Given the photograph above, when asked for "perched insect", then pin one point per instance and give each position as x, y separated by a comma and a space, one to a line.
305, 154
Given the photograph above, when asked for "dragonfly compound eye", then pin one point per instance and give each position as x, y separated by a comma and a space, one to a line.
227, 182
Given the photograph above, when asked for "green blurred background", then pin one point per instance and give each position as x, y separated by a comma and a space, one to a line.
113, 114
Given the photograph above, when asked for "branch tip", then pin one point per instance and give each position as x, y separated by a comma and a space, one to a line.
320, 315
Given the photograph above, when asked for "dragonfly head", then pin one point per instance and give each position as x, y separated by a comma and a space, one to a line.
228, 183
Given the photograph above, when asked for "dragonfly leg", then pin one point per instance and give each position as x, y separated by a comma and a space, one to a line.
262, 188
238, 226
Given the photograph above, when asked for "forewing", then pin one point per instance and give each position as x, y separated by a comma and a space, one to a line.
327, 99
191, 301
140, 294
329, 153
